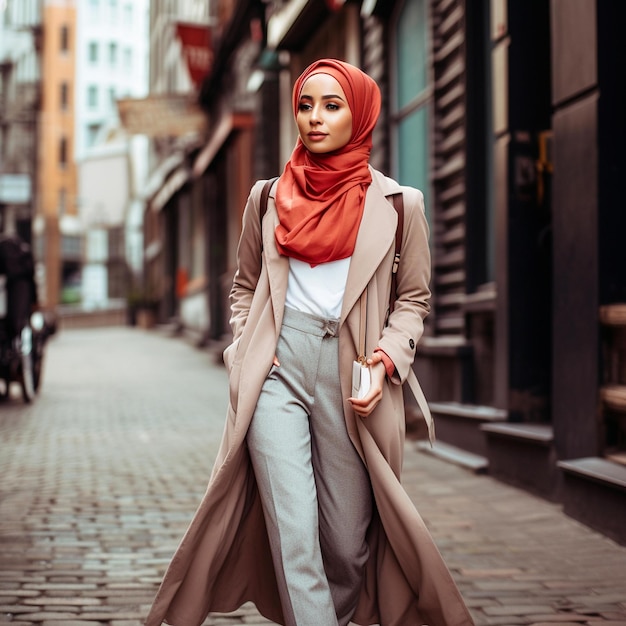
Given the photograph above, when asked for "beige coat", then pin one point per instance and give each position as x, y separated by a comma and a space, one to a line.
224, 558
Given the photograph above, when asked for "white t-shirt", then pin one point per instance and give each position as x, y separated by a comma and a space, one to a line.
317, 290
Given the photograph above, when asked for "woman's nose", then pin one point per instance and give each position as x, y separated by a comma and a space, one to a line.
315, 115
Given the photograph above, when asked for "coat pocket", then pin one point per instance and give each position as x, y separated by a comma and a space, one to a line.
229, 355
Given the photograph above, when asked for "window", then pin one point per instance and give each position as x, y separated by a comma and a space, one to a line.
128, 59
116, 243
113, 10
112, 98
92, 97
92, 134
71, 246
63, 152
64, 38
413, 94
112, 53
128, 14
94, 10
93, 52
64, 97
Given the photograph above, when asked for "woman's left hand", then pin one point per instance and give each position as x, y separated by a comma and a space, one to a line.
368, 403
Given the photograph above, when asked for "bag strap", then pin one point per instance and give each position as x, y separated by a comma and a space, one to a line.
265, 193
398, 205
362, 326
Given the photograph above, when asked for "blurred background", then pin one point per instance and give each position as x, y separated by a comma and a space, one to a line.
131, 132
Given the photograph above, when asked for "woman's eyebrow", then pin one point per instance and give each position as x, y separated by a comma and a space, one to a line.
330, 96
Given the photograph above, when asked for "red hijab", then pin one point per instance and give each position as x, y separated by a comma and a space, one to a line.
320, 197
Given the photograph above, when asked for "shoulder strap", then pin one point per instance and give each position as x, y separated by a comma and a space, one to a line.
265, 193
398, 205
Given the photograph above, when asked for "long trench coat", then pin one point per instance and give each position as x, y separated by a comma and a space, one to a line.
224, 558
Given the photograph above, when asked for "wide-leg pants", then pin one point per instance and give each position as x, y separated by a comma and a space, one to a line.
315, 491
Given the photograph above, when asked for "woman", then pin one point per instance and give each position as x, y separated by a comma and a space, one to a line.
304, 514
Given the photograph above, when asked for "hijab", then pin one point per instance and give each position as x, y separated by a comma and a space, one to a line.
320, 197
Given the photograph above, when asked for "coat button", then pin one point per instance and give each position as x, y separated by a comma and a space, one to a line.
411, 343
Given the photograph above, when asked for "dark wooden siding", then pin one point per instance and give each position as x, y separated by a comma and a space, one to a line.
449, 284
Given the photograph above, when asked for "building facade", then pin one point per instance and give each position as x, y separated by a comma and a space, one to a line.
58, 249
93, 53
174, 219
112, 37
507, 115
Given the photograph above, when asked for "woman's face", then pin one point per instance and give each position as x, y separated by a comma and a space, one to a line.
324, 118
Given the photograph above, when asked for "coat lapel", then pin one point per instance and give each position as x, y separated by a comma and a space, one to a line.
277, 265
376, 235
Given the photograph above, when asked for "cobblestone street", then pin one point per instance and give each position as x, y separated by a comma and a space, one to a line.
102, 473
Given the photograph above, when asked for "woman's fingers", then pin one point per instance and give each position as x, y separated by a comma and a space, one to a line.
369, 402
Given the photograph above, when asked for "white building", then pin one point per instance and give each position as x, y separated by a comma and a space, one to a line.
111, 63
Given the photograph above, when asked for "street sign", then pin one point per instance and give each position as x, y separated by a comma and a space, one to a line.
170, 115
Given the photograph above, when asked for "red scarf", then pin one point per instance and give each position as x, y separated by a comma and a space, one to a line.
320, 197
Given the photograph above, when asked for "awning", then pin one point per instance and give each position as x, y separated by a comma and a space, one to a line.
289, 27
161, 172
170, 187
227, 124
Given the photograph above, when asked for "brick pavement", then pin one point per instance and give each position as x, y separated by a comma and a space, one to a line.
101, 474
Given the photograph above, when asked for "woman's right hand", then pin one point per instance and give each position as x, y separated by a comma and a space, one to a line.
276, 362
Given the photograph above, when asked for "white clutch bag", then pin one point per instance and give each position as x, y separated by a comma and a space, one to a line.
360, 380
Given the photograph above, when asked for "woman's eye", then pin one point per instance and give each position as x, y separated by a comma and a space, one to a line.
303, 106
331, 106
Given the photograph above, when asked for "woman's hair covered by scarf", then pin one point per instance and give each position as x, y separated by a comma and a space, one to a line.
320, 197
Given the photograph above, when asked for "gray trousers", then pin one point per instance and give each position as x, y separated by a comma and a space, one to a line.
315, 490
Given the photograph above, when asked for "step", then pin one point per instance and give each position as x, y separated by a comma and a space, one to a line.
473, 462
523, 455
598, 470
617, 457
594, 492
469, 411
542, 434
613, 315
614, 397
460, 424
